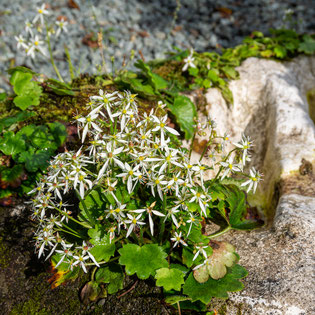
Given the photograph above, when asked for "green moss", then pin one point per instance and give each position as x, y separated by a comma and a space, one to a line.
4, 254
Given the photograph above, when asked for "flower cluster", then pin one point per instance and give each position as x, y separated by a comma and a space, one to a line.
148, 183
37, 32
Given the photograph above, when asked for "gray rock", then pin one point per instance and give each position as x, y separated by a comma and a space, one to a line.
270, 105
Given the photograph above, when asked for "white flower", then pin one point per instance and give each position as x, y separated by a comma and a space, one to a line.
28, 27
65, 252
131, 174
157, 182
88, 122
20, 42
177, 239
255, 178
201, 249
171, 213
36, 45
111, 157
86, 251
80, 259
107, 99
149, 210
161, 125
40, 14
189, 61
62, 26
229, 167
133, 223
245, 144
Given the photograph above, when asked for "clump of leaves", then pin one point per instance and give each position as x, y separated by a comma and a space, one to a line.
130, 202
28, 92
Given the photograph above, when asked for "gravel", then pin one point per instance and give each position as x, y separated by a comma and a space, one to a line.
143, 25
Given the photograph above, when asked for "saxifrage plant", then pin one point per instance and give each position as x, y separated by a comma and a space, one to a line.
131, 202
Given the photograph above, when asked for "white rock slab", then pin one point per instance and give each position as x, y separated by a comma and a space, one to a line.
270, 105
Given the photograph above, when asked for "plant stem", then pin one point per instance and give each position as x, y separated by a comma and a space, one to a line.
93, 273
52, 60
220, 232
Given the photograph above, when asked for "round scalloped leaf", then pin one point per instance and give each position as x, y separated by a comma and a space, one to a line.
223, 256
11, 144
111, 274
142, 260
103, 250
169, 278
204, 292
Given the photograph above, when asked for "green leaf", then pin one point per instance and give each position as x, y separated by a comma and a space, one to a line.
19, 80
173, 299
237, 206
9, 121
23, 101
155, 80
91, 292
103, 250
142, 260
227, 94
63, 273
111, 274
11, 144
12, 175
21, 69
215, 288
280, 52
59, 132
230, 72
42, 138
193, 71
223, 256
206, 83
59, 84
185, 111
267, 53
3, 96
35, 160
169, 278
308, 45
213, 75
94, 204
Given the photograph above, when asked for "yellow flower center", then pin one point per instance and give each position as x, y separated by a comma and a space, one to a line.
36, 43
117, 210
189, 166
157, 181
198, 194
130, 172
230, 166
134, 221
40, 11
88, 119
81, 177
162, 125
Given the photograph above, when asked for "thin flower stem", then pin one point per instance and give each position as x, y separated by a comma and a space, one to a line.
192, 144
52, 59
71, 218
102, 262
76, 235
220, 232
93, 273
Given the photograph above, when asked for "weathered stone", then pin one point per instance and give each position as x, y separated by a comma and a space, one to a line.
270, 105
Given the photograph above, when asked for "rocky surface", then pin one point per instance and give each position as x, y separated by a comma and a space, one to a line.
270, 105
143, 25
